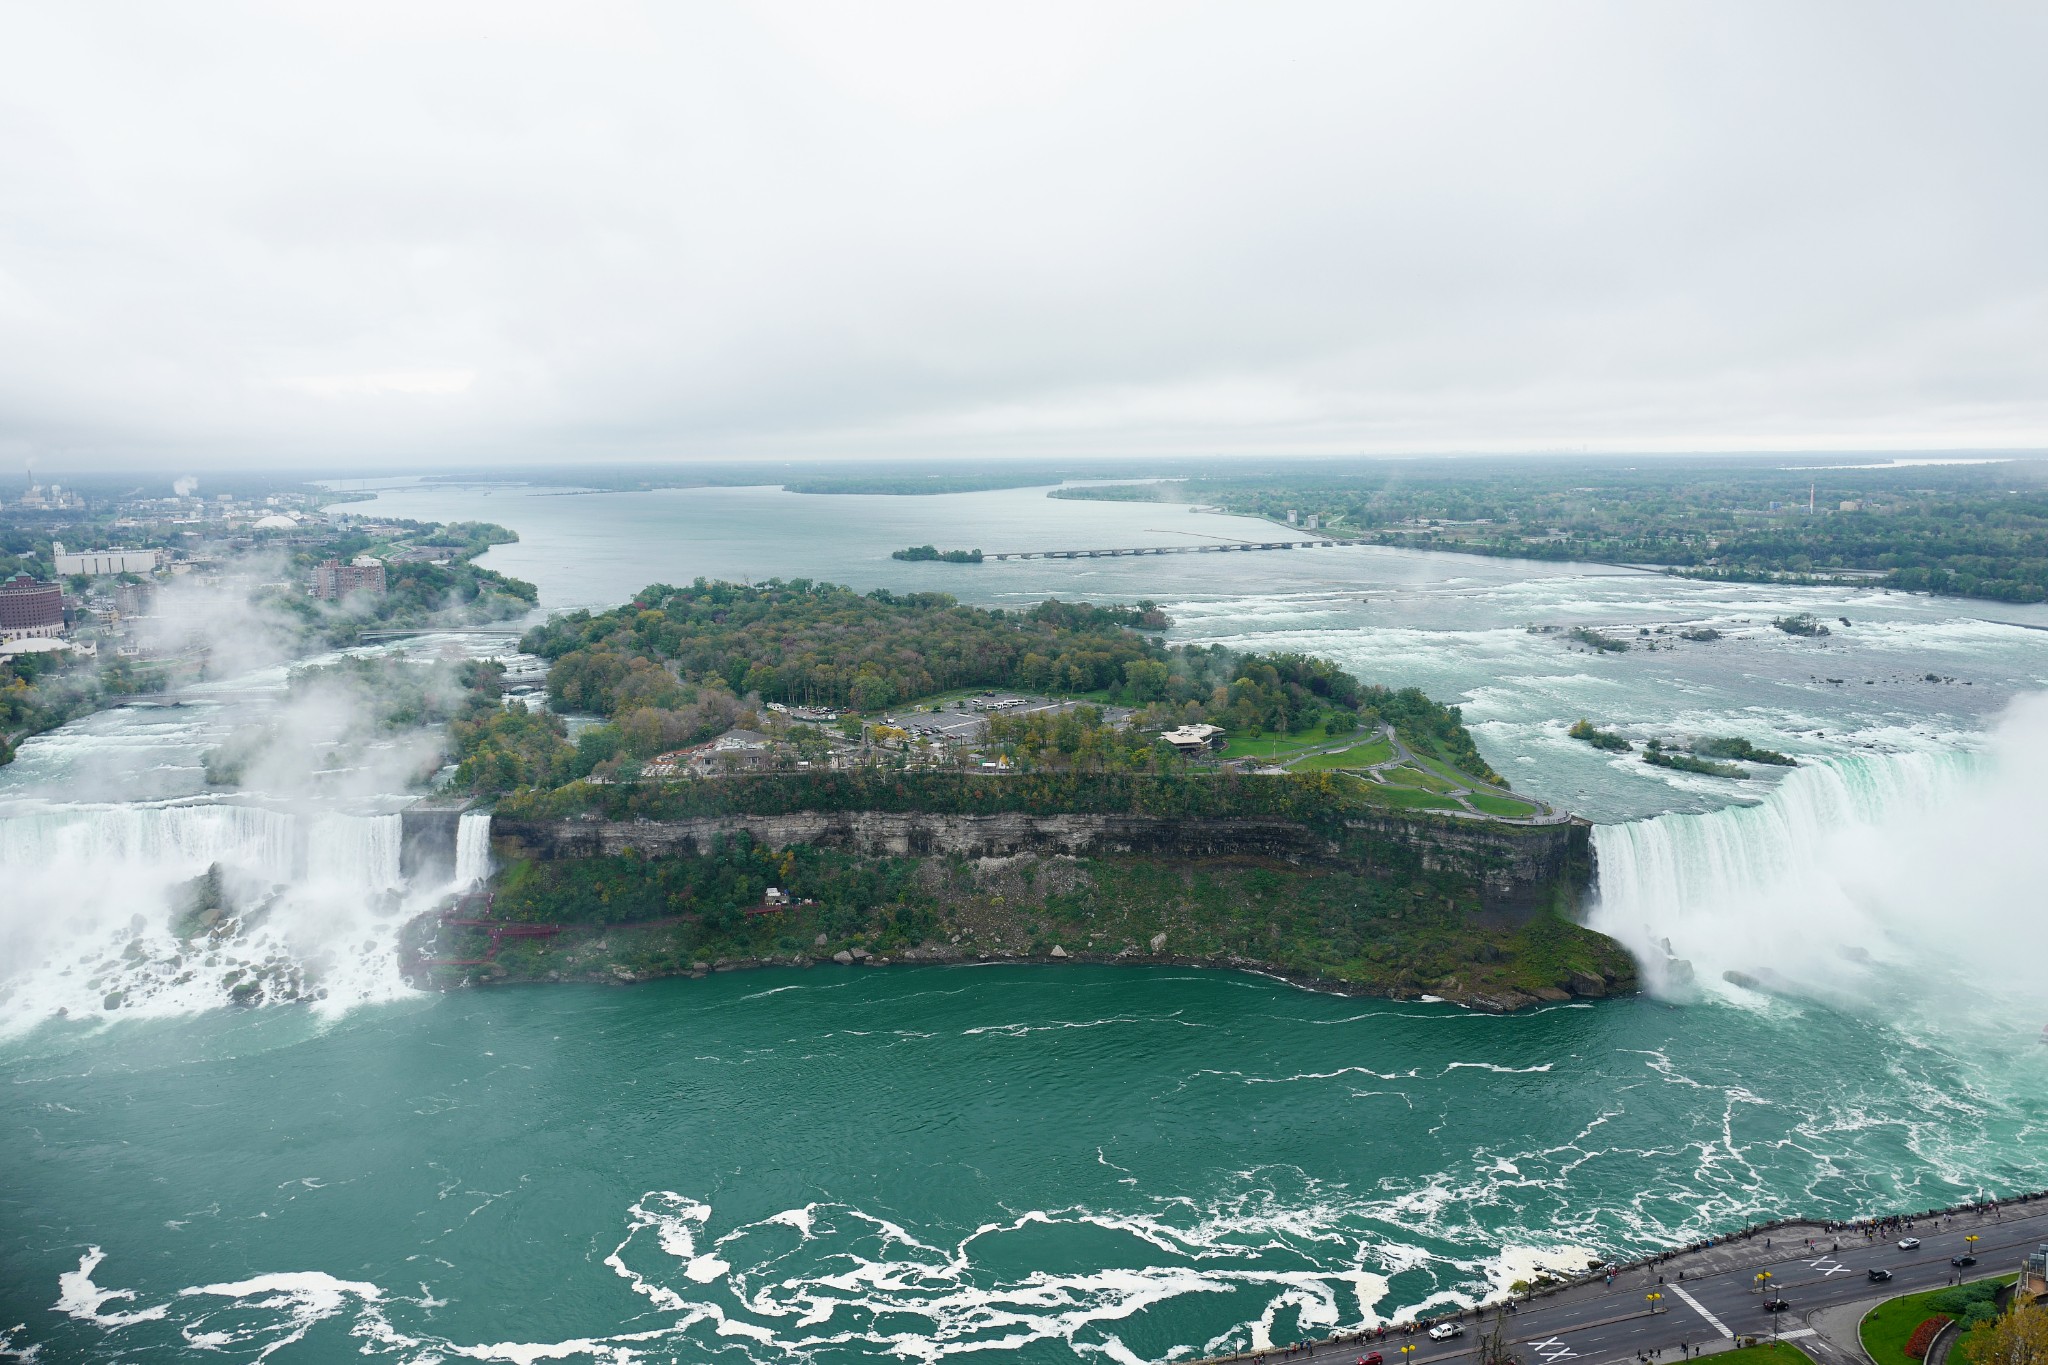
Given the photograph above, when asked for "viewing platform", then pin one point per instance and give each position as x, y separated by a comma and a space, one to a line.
1223, 548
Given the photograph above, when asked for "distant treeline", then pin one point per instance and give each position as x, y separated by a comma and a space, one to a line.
1968, 530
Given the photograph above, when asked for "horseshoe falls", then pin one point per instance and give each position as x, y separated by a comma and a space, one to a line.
1868, 876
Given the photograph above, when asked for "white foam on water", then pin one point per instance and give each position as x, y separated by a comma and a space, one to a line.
271, 1312
1525, 1264
79, 1297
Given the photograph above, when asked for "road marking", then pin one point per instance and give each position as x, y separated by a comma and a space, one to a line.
1796, 1333
1553, 1350
1828, 1265
1701, 1309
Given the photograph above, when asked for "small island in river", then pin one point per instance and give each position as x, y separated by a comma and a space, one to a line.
795, 773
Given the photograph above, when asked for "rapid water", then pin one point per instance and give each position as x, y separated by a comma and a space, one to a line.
1123, 1164
928, 1163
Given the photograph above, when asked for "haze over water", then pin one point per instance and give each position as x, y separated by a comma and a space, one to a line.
1131, 1164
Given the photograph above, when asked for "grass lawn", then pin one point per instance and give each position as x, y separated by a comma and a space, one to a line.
1407, 776
1272, 746
1770, 1353
1410, 798
1448, 771
1887, 1327
1501, 805
1357, 756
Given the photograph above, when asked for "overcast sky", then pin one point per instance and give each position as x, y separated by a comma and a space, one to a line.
358, 233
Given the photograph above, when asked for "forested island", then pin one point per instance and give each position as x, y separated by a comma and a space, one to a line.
795, 772
1969, 529
933, 554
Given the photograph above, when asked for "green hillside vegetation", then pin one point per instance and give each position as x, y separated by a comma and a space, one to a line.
1403, 930
678, 665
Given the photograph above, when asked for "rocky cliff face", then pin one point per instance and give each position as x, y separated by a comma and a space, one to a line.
1518, 868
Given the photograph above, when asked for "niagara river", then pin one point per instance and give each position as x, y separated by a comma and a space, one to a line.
279, 1150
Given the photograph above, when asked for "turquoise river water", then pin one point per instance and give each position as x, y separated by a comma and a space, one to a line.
1132, 1164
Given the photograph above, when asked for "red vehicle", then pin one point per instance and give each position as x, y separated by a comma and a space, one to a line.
1373, 1359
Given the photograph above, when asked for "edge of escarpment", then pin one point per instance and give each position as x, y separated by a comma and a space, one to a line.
1407, 905
1515, 866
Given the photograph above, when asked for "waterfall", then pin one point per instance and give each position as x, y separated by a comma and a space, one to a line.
183, 839
1923, 863
473, 848
356, 851
99, 917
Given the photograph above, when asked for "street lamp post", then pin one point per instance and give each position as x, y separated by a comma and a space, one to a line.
1406, 1350
1653, 1296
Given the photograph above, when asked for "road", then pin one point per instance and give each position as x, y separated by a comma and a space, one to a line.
1718, 1299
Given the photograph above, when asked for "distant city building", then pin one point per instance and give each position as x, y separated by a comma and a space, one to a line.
135, 599
93, 563
2033, 1282
335, 580
1292, 516
1314, 521
30, 610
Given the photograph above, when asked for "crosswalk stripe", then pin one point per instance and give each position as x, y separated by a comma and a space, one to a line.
1701, 1309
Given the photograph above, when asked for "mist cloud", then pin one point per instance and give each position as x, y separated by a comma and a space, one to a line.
325, 232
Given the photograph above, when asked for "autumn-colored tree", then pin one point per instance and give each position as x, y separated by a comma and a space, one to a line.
2019, 1336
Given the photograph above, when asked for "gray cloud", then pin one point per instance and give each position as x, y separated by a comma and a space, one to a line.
329, 232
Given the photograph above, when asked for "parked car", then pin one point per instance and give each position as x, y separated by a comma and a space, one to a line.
1965, 1259
1879, 1273
1444, 1331
1909, 1244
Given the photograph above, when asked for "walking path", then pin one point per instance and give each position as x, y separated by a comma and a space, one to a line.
1710, 1300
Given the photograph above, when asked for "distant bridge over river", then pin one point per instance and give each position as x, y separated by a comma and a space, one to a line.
1224, 547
